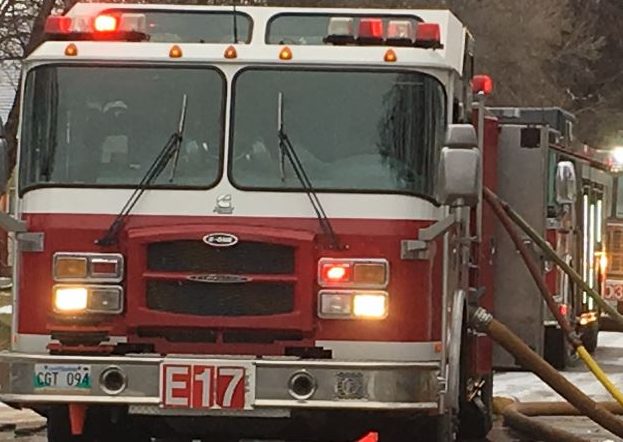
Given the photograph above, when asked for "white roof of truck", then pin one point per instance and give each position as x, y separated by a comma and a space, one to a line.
258, 51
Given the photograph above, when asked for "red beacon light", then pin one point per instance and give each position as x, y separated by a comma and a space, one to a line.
57, 24
428, 36
104, 26
370, 31
482, 85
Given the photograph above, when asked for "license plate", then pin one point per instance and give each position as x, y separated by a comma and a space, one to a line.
613, 290
62, 377
207, 385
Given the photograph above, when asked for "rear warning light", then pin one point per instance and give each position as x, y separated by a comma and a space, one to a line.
564, 309
428, 36
105, 23
370, 31
364, 273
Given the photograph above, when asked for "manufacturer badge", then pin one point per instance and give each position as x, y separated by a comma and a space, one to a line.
220, 239
219, 279
349, 385
224, 205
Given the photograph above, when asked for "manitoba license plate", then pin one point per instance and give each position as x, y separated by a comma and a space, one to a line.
195, 384
62, 377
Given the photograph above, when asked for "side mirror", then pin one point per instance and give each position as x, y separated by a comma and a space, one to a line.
461, 136
566, 183
459, 177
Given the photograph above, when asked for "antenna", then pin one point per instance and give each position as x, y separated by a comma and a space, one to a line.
233, 2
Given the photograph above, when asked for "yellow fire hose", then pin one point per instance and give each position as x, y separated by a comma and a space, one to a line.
502, 211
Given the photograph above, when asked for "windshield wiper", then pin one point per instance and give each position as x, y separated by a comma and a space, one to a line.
169, 151
287, 150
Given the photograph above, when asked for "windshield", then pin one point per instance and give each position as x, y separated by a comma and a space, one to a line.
352, 130
106, 125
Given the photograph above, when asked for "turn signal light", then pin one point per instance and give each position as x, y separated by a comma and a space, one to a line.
67, 267
88, 267
364, 273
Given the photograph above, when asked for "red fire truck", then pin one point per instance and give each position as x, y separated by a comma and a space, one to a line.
244, 222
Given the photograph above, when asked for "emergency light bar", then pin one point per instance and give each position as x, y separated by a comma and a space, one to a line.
130, 26
371, 31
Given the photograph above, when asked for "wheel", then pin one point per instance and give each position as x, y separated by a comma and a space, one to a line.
101, 425
589, 336
474, 414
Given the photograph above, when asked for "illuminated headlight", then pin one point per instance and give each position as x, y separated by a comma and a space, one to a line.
353, 305
370, 306
92, 267
88, 299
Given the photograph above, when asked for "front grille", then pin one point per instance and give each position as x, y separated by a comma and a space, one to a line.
214, 299
245, 257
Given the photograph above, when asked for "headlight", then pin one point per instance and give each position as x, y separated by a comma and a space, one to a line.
70, 299
88, 299
92, 267
341, 304
372, 306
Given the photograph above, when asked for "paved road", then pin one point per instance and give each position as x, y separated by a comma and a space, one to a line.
26, 426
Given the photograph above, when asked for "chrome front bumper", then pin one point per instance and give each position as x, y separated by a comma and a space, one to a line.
369, 385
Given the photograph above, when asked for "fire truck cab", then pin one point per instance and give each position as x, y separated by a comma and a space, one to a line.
244, 222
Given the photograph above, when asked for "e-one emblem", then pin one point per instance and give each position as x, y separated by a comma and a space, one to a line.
220, 239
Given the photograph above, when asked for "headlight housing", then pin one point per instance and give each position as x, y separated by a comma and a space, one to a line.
79, 299
87, 267
353, 304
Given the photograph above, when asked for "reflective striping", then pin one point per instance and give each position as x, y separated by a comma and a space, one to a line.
249, 204
383, 351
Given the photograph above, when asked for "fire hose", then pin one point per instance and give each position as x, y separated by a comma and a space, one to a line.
501, 210
483, 321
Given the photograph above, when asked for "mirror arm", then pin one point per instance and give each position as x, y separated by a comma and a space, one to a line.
439, 228
10, 224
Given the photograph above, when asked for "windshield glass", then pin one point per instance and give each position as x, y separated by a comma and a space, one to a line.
106, 125
353, 130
